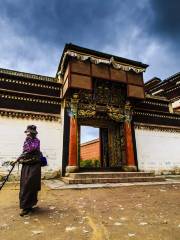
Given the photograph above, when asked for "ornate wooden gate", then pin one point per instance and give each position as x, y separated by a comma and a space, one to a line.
104, 107
98, 86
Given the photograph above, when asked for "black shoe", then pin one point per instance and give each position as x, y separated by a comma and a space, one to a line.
25, 212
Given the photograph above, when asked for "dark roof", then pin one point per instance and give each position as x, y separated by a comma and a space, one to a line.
167, 80
77, 48
153, 80
152, 83
166, 83
173, 76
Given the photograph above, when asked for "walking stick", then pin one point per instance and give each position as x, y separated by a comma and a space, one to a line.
6, 178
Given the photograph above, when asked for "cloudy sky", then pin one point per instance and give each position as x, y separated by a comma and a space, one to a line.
33, 32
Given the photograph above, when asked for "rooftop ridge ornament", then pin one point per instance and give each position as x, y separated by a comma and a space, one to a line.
98, 60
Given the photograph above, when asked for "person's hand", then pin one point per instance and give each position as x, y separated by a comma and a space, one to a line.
12, 163
20, 160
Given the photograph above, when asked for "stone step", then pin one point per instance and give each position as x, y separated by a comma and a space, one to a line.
87, 175
112, 180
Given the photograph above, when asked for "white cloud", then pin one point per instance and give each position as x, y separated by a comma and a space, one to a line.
138, 46
89, 133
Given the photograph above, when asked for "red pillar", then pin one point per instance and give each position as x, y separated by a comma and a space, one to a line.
73, 148
73, 143
130, 161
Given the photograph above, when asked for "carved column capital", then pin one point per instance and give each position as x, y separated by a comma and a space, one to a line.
128, 112
73, 105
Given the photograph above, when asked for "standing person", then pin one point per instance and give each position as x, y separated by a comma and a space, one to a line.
30, 181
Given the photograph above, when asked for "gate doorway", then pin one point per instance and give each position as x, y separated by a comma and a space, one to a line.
105, 150
89, 147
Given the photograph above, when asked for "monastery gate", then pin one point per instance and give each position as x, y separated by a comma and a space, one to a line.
98, 93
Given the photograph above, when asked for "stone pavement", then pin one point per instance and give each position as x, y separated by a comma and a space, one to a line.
58, 184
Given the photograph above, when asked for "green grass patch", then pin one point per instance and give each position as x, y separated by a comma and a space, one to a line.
90, 163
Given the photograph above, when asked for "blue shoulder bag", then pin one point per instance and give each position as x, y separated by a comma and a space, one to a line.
43, 160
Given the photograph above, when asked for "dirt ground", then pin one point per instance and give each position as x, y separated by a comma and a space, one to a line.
136, 212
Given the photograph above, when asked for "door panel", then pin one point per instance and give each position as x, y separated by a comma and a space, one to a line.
104, 147
115, 146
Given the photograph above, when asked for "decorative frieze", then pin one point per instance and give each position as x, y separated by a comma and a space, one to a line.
154, 97
156, 103
28, 83
153, 127
27, 75
157, 115
175, 99
97, 60
173, 89
29, 115
29, 99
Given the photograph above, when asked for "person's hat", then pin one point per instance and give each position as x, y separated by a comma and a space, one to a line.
31, 129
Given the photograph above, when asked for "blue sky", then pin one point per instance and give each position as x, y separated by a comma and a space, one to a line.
88, 133
33, 32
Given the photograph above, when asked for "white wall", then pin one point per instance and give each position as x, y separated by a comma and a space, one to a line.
157, 150
12, 137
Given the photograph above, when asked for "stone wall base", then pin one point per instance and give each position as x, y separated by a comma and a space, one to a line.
44, 175
71, 169
173, 171
130, 168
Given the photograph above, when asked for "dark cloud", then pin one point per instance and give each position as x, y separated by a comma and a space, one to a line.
35, 31
62, 21
92, 23
166, 19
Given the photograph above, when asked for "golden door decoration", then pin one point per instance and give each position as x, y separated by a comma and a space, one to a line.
116, 145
